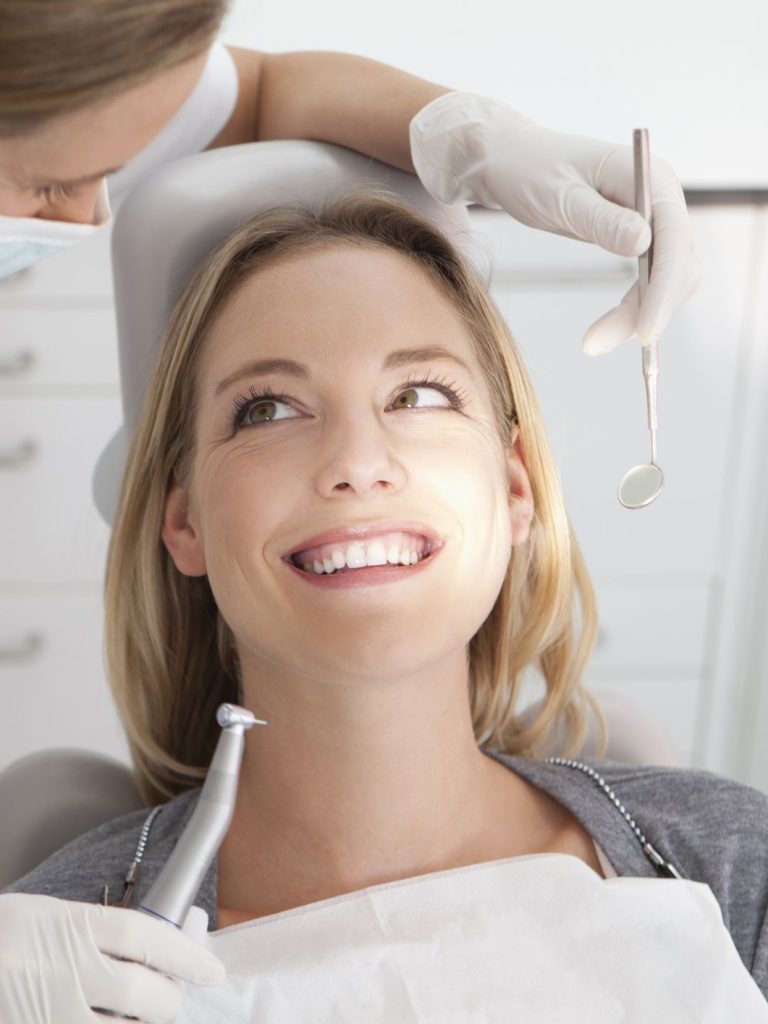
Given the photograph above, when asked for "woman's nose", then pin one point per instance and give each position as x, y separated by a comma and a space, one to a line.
359, 455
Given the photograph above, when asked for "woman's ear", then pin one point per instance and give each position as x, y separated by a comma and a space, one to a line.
180, 536
519, 492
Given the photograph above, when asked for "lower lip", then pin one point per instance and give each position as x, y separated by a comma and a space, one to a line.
372, 575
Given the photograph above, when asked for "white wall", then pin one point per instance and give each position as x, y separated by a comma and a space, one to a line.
692, 71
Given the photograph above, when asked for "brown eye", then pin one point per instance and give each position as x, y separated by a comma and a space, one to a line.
253, 409
259, 412
406, 399
409, 397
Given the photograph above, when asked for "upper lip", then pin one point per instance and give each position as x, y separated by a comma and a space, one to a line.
363, 531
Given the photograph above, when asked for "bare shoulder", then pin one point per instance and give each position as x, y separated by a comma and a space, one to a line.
243, 124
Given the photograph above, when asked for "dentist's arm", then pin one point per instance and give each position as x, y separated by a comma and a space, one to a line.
472, 149
62, 961
329, 97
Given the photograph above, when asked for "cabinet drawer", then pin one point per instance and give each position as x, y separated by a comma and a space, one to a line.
650, 625
595, 416
48, 448
53, 691
54, 348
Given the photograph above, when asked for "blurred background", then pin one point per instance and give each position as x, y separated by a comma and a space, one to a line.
682, 585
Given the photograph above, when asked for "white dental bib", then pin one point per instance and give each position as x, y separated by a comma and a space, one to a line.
534, 940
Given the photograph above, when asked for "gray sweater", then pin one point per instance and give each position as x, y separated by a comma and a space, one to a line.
712, 829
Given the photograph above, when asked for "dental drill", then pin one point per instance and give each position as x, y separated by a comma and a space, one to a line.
173, 891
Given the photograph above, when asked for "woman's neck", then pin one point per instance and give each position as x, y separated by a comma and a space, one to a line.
351, 788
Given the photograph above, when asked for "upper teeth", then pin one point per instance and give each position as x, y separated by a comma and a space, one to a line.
394, 549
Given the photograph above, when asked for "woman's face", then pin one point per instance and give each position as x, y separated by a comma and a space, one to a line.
384, 420
55, 172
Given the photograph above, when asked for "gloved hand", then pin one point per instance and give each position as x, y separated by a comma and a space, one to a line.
59, 960
470, 149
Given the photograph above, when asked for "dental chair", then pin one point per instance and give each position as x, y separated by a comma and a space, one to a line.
163, 232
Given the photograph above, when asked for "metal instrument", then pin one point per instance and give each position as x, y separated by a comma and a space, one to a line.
175, 888
641, 484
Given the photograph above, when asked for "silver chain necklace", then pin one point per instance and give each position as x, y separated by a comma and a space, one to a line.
653, 855
133, 870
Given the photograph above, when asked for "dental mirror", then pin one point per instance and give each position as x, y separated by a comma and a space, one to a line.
641, 484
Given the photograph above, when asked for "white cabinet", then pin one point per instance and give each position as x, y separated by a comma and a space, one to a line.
660, 572
52, 533
59, 403
52, 681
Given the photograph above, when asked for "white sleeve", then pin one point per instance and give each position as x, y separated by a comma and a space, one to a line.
194, 125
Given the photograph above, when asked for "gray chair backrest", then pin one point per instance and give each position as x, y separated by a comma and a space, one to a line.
52, 796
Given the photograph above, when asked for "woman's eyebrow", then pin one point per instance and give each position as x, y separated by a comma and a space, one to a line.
400, 357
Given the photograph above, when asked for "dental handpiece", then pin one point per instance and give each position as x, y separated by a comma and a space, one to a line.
175, 888
643, 205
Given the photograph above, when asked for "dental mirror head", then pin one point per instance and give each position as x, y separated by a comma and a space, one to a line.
640, 486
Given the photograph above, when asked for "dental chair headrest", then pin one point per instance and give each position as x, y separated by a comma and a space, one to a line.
169, 224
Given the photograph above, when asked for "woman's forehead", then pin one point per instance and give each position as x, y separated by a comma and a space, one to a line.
365, 297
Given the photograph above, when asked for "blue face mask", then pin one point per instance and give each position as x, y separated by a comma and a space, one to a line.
25, 240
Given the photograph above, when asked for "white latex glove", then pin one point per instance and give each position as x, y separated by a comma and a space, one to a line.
59, 960
471, 149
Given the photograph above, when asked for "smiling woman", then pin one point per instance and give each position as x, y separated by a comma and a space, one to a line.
352, 443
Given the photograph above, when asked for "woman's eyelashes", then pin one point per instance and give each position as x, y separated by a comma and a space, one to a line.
258, 405
55, 193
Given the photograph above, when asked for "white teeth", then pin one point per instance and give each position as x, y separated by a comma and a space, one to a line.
358, 555
377, 554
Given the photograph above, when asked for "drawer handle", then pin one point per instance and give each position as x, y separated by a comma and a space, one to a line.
23, 453
17, 364
25, 649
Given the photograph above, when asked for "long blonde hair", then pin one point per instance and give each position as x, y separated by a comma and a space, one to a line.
59, 55
171, 658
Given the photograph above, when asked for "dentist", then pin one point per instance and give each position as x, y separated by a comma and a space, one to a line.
94, 94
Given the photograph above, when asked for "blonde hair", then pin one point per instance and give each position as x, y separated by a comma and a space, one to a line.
171, 658
59, 55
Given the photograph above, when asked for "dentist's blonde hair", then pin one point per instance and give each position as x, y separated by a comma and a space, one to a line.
171, 658
60, 55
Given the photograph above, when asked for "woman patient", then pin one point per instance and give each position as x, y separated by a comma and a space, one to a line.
340, 512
